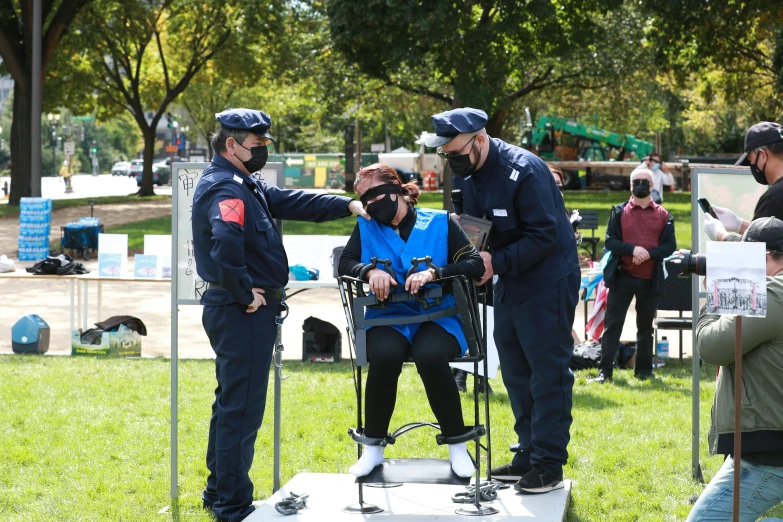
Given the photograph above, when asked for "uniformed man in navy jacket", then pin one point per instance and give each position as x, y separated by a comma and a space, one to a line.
239, 253
533, 253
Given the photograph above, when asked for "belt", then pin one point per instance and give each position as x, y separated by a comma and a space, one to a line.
275, 294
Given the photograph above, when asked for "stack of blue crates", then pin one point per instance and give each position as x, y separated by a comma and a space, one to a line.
35, 217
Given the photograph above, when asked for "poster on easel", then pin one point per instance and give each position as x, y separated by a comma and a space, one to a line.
736, 278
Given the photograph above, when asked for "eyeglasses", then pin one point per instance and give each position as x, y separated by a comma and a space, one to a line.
454, 155
641, 182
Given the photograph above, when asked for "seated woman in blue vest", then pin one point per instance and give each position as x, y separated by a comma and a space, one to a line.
400, 232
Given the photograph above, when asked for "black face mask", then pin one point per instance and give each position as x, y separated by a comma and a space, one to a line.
258, 157
641, 189
461, 165
383, 210
759, 174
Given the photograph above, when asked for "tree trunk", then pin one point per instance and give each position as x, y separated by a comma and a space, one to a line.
146, 188
209, 147
21, 163
495, 123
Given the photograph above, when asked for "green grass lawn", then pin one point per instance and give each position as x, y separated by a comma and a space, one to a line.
88, 439
8, 211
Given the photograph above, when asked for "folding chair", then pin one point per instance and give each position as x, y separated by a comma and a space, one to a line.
423, 471
676, 296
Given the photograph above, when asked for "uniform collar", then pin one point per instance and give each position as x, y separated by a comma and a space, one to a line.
632, 203
492, 159
223, 163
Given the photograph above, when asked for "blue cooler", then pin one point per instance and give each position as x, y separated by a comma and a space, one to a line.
30, 334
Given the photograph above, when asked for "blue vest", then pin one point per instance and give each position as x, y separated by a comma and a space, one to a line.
429, 237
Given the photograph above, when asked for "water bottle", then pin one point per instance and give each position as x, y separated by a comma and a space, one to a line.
663, 348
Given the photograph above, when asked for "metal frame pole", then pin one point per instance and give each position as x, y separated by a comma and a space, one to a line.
695, 368
174, 341
278, 364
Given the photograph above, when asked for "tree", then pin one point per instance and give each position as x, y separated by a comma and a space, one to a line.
139, 56
740, 39
16, 18
485, 53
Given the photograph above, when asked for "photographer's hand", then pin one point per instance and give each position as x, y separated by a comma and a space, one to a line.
714, 228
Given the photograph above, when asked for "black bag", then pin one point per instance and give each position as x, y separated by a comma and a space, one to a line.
321, 341
57, 265
586, 355
336, 253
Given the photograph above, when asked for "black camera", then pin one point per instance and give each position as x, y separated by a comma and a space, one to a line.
691, 263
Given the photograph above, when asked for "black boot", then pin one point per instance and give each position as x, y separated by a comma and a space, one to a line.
460, 377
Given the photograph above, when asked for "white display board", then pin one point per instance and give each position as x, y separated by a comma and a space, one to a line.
185, 177
159, 245
112, 255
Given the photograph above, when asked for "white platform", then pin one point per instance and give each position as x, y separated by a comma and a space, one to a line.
330, 493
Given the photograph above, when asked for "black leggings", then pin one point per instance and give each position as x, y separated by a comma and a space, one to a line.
431, 350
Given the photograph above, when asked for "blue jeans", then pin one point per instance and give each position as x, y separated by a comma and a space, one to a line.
761, 488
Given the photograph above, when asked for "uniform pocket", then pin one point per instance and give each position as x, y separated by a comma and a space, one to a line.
265, 231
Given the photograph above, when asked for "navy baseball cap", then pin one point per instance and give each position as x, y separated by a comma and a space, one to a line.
449, 124
767, 230
256, 122
764, 133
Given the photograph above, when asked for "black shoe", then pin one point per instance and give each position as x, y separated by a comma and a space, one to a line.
643, 376
538, 481
461, 377
602, 378
509, 470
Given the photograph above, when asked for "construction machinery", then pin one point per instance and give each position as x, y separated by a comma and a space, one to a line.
584, 151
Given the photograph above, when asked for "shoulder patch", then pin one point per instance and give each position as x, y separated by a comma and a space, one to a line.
237, 179
233, 211
514, 175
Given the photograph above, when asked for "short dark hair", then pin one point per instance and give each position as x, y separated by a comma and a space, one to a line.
776, 149
777, 255
219, 138
655, 154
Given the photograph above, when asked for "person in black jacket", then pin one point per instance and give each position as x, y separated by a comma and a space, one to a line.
639, 235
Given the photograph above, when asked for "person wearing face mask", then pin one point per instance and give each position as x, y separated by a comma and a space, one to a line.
764, 154
533, 253
239, 254
661, 175
640, 235
400, 232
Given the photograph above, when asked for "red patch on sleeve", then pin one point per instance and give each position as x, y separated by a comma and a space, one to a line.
233, 210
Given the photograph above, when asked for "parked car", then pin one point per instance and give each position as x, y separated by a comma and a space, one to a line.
160, 175
137, 166
121, 168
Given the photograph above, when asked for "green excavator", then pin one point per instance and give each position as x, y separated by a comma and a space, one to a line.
564, 139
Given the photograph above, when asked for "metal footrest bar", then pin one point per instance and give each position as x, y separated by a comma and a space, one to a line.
474, 433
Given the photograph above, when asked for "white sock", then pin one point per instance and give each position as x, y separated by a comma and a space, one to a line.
371, 457
460, 460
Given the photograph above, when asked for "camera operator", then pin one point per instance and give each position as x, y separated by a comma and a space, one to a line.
764, 155
761, 481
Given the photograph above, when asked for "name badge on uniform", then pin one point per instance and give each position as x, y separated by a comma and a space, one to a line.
237, 179
500, 212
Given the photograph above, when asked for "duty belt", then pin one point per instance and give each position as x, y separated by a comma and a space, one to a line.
275, 294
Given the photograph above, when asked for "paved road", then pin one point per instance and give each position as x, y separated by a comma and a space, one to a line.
86, 186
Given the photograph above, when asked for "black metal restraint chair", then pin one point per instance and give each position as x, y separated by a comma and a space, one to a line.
422, 471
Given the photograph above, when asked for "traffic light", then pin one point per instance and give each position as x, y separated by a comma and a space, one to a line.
170, 119
94, 149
